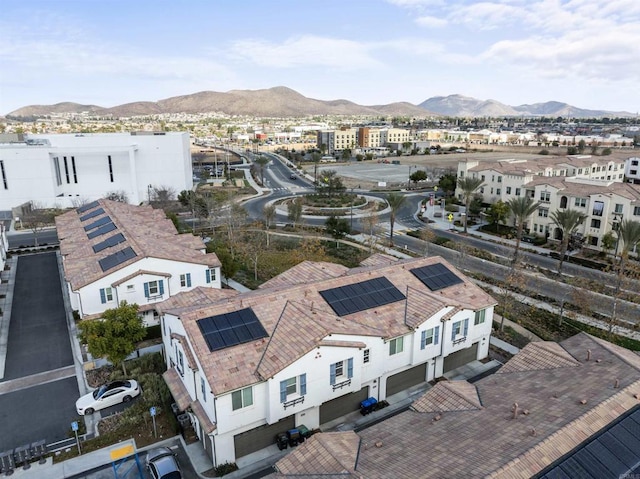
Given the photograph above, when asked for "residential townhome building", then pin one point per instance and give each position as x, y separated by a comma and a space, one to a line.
76, 168
605, 205
505, 179
312, 343
113, 252
632, 170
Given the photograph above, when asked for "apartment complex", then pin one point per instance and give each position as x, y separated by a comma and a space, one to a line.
364, 138
69, 169
632, 170
113, 252
312, 343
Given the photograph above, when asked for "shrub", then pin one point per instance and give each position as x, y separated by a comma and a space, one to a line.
226, 468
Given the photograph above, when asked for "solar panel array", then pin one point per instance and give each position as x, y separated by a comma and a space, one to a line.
102, 221
109, 242
102, 230
87, 207
356, 297
436, 276
230, 329
93, 214
115, 259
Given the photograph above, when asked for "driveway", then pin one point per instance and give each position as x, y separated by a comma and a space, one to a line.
39, 387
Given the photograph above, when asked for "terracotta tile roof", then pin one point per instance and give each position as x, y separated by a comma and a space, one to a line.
539, 355
147, 231
558, 409
578, 188
204, 420
297, 318
176, 387
138, 273
448, 396
378, 259
306, 272
186, 300
421, 304
632, 358
322, 454
191, 362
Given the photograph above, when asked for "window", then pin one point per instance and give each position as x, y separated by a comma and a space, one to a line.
508, 190
517, 191
479, 319
634, 162
430, 336
153, 288
545, 196
598, 208
211, 275
56, 167
203, 388
636, 211
460, 328
4, 175
242, 398
543, 212
291, 386
73, 168
106, 295
595, 223
396, 346
618, 208
498, 191
185, 280
581, 202
66, 169
365, 356
499, 179
180, 361
340, 371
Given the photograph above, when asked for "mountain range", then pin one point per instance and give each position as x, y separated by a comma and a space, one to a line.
285, 102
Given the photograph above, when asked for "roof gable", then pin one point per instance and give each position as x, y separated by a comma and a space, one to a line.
449, 396
539, 355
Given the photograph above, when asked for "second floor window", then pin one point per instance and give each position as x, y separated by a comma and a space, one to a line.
581, 202
185, 280
340, 371
106, 295
429, 337
598, 208
460, 328
396, 346
545, 196
242, 398
153, 288
295, 386
365, 356
479, 319
211, 275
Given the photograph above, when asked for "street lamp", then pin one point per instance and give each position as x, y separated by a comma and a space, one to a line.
149, 193
352, 198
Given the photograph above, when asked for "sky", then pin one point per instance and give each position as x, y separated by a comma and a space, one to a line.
372, 52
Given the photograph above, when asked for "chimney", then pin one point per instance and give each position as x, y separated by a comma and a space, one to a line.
515, 410
588, 355
617, 383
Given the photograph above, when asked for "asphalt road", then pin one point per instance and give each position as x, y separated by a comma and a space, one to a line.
39, 389
27, 238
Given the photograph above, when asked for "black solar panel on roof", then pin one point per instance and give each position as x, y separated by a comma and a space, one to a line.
356, 297
230, 329
99, 222
115, 259
102, 230
436, 276
87, 207
93, 214
109, 242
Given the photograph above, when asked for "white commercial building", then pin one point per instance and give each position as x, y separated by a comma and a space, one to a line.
67, 170
113, 252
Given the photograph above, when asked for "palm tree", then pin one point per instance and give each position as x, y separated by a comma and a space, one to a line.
629, 233
395, 200
521, 207
568, 221
468, 186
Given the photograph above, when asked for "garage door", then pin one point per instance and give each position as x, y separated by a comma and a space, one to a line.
342, 405
261, 437
406, 379
460, 358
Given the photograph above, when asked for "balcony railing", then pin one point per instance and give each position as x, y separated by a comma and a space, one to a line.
342, 384
459, 340
293, 402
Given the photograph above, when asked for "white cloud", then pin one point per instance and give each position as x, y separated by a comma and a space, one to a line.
307, 50
431, 22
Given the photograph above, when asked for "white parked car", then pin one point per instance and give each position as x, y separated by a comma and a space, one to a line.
108, 395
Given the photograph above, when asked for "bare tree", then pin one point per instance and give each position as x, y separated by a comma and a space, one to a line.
253, 249
514, 281
163, 195
117, 195
36, 217
428, 236
371, 227
269, 215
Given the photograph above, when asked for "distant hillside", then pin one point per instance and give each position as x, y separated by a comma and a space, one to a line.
464, 106
285, 102
272, 102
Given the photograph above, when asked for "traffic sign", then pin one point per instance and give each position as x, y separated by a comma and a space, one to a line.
152, 411
74, 426
450, 217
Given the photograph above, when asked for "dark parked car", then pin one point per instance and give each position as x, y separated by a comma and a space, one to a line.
162, 464
293, 177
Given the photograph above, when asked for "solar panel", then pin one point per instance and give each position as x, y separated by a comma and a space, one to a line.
361, 296
93, 214
87, 207
230, 329
102, 221
436, 276
115, 259
102, 230
109, 242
